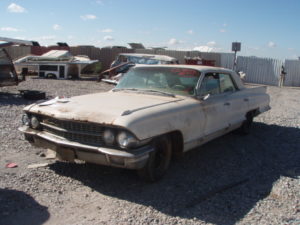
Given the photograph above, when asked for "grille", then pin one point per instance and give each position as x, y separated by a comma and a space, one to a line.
81, 132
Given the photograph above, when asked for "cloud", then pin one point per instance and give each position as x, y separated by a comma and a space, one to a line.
97, 42
210, 46
222, 30
271, 44
56, 27
225, 25
190, 32
14, 8
47, 38
99, 2
211, 43
254, 48
20, 38
70, 37
88, 17
174, 41
9, 29
108, 38
203, 48
107, 30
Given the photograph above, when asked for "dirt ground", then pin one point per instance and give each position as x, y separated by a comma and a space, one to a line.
253, 179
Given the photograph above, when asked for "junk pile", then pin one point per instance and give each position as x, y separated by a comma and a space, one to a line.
57, 64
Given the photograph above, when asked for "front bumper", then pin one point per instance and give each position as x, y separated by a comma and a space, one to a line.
68, 150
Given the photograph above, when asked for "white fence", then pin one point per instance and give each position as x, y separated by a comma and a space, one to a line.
227, 60
292, 68
260, 70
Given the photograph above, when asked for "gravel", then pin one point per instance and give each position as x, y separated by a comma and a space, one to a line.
253, 179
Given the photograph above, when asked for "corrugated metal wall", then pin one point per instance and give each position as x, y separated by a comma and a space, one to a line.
16, 52
292, 68
104, 55
260, 70
109, 55
90, 51
181, 54
227, 60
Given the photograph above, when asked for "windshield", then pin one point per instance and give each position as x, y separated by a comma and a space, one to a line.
179, 81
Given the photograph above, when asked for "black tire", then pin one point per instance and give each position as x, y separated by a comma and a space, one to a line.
247, 124
159, 160
33, 95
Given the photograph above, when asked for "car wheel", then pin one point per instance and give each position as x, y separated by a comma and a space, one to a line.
159, 160
247, 124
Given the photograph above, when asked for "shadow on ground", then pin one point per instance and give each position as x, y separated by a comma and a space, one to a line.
16, 99
218, 183
17, 208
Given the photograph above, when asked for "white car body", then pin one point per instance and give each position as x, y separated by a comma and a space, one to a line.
194, 119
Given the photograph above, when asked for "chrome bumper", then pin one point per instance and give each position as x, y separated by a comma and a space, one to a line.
68, 150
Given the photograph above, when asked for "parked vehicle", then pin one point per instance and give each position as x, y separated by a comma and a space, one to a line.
53, 71
8, 75
154, 112
147, 59
124, 61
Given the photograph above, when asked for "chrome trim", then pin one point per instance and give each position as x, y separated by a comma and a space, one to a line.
145, 150
65, 130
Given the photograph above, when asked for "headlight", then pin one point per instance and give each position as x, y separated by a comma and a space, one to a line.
34, 122
126, 140
109, 137
25, 120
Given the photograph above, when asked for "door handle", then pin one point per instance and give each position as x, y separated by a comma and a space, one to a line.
246, 99
227, 103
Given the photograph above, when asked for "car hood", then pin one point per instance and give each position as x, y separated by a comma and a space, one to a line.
102, 108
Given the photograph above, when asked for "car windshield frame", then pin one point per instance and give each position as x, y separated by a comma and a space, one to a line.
169, 80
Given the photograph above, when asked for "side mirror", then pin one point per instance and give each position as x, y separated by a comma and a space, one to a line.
204, 97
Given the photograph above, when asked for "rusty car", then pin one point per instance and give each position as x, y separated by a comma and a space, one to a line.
124, 61
155, 111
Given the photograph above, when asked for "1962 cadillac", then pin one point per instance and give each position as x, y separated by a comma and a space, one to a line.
153, 113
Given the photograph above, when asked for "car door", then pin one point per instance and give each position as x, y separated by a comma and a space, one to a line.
213, 104
235, 103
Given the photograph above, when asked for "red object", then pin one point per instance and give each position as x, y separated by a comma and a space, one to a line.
199, 61
11, 165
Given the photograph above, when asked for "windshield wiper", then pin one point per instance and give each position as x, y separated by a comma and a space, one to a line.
144, 90
160, 92
125, 89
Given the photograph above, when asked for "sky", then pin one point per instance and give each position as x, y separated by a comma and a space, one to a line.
265, 28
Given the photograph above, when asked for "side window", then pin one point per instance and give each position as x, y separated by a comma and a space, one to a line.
226, 83
210, 84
